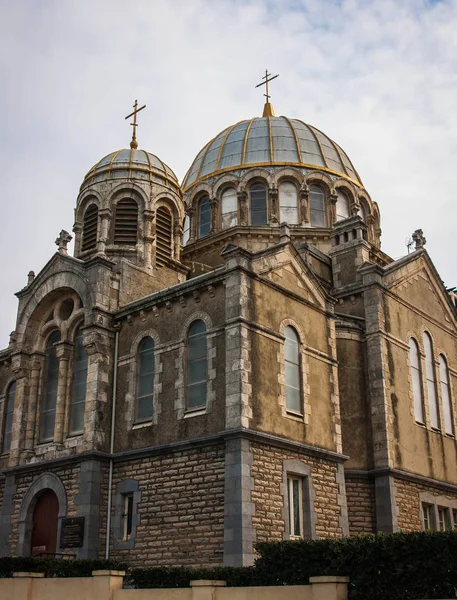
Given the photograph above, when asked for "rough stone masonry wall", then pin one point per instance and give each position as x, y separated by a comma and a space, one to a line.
361, 506
267, 472
408, 502
68, 475
181, 508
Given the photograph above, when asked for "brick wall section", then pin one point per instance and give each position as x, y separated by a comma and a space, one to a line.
361, 506
267, 471
104, 508
408, 503
181, 508
69, 478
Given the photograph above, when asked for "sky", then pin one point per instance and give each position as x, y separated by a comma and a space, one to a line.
377, 76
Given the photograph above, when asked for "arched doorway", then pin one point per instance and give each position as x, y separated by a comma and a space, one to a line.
44, 529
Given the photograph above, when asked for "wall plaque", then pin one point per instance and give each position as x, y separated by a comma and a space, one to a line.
72, 533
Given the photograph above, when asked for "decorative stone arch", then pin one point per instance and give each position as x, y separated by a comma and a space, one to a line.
304, 372
130, 396
87, 197
126, 189
3, 397
74, 323
320, 178
181, 365
46, 481
288, 174
258, 174
198, 191
226, 181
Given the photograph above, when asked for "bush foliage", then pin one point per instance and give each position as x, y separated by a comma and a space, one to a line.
400, 566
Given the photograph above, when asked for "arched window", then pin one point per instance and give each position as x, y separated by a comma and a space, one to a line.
416, 378
8, 417
145, 380
90, 226
197, 365
446, 396
363, 211
292, 370
342, 206
51, 380
431, 381
229, 211
258, 203
317, 206
78, 385
126, 222
288, 203
204, 217
164, 236
186, 231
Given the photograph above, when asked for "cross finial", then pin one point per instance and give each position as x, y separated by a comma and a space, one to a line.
419, 239
136, 110
267, 109
63, 240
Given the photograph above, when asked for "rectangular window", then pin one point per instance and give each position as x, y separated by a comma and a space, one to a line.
127, 515
295, 499
444, 521
427, 516
454, 519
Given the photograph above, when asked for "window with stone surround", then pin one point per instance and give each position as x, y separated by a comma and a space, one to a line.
258, 204
197, 365
298, 497
427, 516
446, 397
416, 380
292, 373
78, 385
318, 215
438, 513
204, 217
431, 382
8, 417
229, 208
145, 380
50, 384
288, 202
342, 205
126, 498
127, 516
186, 231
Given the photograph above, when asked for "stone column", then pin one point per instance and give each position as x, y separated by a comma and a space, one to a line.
177, 235
333, 198
304, 204
77, 230
149, 237
192, 224
214, 202
105, 219
273, 195
37, 361
19, 367
243, 204
64, 351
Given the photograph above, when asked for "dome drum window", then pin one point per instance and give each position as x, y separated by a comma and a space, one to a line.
342, 206
258, 204
229, 212
288, 203
126, 223
164, 228
90, 227
204, 217
317, 210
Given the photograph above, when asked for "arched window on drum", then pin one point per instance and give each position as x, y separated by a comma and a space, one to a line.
342, 205
288, 203
229, 211
258, 204
318, 215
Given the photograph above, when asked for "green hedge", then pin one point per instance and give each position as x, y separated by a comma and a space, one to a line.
55, 567
162, 577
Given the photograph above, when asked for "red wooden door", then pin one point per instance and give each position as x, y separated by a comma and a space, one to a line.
44, 532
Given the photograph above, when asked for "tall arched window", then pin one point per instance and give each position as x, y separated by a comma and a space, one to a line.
288, 202
446, 397
51, 380
363, 211
317, 206
204, 217
431, 381
8, 417
197, 365
78, 386
126, 222
229, 216
145, 380
342, 206
164, 236
186, 230
292, 370
90, 225
416, 379
258, 204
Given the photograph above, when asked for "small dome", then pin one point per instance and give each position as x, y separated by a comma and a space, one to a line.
270, 141
130, 163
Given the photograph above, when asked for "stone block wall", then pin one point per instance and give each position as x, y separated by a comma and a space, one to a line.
267, 472
361, 506
181, 508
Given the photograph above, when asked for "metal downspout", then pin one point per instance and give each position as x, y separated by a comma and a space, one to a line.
111, 448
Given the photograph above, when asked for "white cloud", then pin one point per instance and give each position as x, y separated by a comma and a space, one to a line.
378, 77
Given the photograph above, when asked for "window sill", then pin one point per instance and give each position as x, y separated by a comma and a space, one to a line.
141, 425
195, 412
420, 424
295, 416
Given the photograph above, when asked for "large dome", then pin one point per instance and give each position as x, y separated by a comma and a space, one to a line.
270, 141
130, 163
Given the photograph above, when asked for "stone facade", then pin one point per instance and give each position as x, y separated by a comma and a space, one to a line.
226, 363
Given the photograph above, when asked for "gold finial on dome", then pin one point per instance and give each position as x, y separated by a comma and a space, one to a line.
268, 108
136, 110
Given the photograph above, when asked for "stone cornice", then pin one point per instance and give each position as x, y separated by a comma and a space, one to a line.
399, 474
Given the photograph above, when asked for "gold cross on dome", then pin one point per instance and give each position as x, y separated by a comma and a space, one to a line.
136, 110
265, 83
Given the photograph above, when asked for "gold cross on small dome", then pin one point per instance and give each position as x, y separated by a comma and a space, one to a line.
136, 110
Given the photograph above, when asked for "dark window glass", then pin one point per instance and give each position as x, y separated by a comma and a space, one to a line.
196, 365
90, 228
258, 197
51, 380
127, 515
317, 206
79, 384
145, 380
204, 217
8, 419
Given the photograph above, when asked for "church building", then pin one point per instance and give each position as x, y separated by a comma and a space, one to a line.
226, 360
